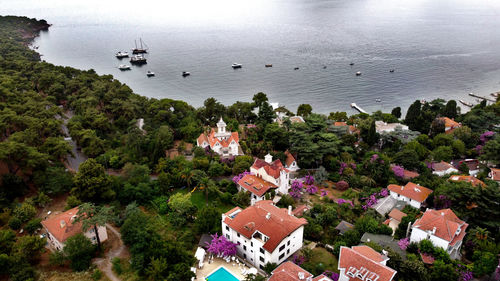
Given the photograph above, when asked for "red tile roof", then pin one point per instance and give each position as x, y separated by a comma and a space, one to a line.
277, 227
450, 123
288, 271
255, 185
412, 191
495, 174
427, 258
273, 169
289, 158
299, 210
352, 261
397, 214
445, 222
340, 124
471, 179
410, 174
61, 226
212, 140
369, 253
442, 166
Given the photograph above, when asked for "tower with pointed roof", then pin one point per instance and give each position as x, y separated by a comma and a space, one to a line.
221, 141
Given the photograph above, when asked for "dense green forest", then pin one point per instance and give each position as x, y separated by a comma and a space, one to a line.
163, 204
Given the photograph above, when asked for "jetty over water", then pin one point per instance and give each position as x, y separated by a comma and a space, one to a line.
355, 106
481, 97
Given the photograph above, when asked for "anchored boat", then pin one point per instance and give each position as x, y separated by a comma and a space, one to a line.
138, 59
236, 65
141, 49
121, 55
124, 67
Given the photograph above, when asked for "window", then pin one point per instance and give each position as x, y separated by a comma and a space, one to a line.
251, 244
281, 256
261, 259
288, 251
288, 243
244, 256
261, 250
282, 248
244, 247
238, 235
227, 228
261, 267
227, 236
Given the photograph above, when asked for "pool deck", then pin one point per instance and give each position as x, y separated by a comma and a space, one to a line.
210, 268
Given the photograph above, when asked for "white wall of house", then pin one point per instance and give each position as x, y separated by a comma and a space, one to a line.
411, 202
342, 276
447, 172
56, 244
283, 181
417, 235
293, 166
251, 249
252, 195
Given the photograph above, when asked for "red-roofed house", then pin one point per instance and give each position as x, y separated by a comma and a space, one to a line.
273, 172
363, 263
443, 228
412, 193
494, 174
222, 142
450, 125
470, 179
290, 162
61, 226
288, 271
443, 168
264, 233
395, 217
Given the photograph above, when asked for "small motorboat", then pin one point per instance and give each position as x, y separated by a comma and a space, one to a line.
150, 73
296, 68
236, 65
124, 67
269, 65
121, 55
391, 71
351, 64
466, 103
138, 59
324, 66
378, 100
185, 73
358, 73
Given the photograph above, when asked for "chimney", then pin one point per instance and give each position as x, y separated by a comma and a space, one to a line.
73, 218
434, 230
62, 223
442, 213
301, 275
252, 202
289, 210
268, 216
268, 158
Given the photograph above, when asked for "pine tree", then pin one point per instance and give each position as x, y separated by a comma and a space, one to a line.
412, 115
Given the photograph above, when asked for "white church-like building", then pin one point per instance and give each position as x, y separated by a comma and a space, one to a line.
221, 141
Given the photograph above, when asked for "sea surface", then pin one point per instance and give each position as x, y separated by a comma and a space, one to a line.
437, 48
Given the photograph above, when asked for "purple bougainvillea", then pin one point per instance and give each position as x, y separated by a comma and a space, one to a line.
384, 192
311, 189
442, 202
343, 201
324, 192
296, 189
486, 136
237, 178
298, 260
398, 171
342, 167
309, 179
374, 157
221, 247
332, 275
403, 243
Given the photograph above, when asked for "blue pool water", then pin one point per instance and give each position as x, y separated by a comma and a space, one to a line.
221, 275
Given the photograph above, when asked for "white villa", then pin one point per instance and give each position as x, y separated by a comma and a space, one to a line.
61, 226
290, 162
383, 127
443, 228
265, 175
412, 194
222, 142
363, 263
264, 233
443, 168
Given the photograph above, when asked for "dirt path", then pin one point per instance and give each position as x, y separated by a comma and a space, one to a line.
118, 249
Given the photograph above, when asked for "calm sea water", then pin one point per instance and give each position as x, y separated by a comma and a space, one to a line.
443, 48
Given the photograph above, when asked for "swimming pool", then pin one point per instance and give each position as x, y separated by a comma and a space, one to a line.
222, 274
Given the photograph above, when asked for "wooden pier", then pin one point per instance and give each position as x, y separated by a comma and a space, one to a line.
481, 97
355, 106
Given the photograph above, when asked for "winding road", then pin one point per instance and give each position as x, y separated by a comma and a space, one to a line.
118, 250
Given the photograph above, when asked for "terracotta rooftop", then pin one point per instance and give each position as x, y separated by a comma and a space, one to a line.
412, 191
299, 210
255, 185
445, 222
397, 214
288, 271
470, 179
495, 174
267, 219
410, 174
442, 166
297, 119
359, 265
273, 169
450, 123
427, 258
369, 253
61, 226
289, 158
212, 140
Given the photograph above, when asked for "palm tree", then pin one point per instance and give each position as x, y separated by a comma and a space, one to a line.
93, 216
480, 234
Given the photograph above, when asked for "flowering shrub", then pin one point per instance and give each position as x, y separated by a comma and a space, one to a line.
311, 189
486, 136
442, 202
341, 185
324, 192
384, 192
497, 271
343, 201
342, 167
332, 275
220, 246
298, 260
374, 157
479, 149
403, 243
296, 189
309, 179
227, 160
237, 178
398, 171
